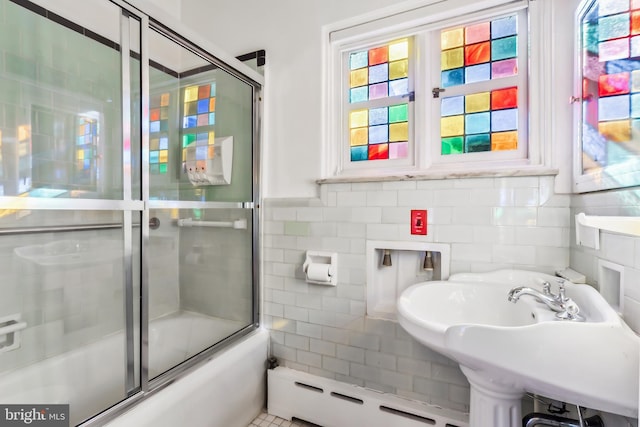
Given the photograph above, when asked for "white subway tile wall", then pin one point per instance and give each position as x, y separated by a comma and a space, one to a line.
490, 223
620, 249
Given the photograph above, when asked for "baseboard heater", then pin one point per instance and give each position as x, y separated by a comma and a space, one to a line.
329, 403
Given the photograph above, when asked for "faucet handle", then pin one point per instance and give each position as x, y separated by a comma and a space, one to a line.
546, 288
561, 295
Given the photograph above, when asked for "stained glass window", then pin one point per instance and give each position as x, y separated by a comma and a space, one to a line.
610, 51
159, 133
199, 118
378, 123
479, 52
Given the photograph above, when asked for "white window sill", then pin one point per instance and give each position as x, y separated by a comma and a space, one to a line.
444, 174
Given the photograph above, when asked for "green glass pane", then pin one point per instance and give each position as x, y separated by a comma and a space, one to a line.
398, 113
188, 138
163, 168
452, 145
359, 153
590, 37
504, 48
613, 27
476, 143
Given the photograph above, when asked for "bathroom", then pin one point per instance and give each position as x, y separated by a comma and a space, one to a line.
299, 197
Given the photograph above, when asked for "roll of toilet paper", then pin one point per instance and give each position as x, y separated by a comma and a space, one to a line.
319, 273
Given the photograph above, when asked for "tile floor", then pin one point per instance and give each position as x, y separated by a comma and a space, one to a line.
266, 420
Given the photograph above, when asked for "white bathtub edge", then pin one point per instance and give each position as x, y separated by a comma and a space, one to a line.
228, 391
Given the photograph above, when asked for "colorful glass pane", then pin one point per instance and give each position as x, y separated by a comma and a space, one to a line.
398, 69
608, 7
503, 120
358, 60
452, 145
359, 153
504, 48
399, 113
477, 102
477, 73
191, 94
453, 77
613, 49
635, 47
613, 108
378, 55
378, 73
504, 27
617, 131
358, 118
399, 132
635, 81
399, 50
613, 27
452, 126
453, 58
378, 116
378, 134
477, 143
379, 90
477, 123
453, 105
477, 33
506, 68
398, 87
504, 98
379, 152
398, 150
452, 38
635, 105
477, 53
358, 77
359, 94
504, 141
613, 84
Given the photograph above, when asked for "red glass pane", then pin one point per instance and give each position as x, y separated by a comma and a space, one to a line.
635, 22
378, 151
154, 115
477, 53
378, 55
613, 84
504, 98
204, 91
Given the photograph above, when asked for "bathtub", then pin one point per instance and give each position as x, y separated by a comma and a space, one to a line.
229, 390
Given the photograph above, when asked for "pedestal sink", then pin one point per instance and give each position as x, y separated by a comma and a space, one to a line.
507, 349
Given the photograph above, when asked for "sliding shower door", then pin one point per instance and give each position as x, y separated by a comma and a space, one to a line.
201, 192
70, 207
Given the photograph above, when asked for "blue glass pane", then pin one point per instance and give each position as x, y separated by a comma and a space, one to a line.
358, 60
609, 7
475, 143
359, 94
154, 127
504, 48
452, 106
153, 157
213, 90
378, 116
203, 106
164, 125
635, 105
378, 134
621, 65
87, 164
359, 153
477, 73
613, 27
189, 122
201, 153
613, 108
212, 118
502, 120
504, 27
202, 138
378, 73
452, 77
164, 143
477, 123
398, 87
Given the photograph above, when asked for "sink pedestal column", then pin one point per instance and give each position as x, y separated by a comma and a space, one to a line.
492, 404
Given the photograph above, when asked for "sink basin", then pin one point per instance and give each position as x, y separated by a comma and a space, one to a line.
509, 349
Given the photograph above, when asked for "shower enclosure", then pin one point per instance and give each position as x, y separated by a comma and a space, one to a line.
128, 204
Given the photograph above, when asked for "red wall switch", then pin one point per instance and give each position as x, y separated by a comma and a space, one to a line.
419, 222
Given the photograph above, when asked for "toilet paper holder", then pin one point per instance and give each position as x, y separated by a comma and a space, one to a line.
321, 268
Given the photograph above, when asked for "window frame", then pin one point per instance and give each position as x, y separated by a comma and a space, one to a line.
423, 24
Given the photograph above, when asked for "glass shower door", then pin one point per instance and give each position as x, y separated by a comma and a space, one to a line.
201, 192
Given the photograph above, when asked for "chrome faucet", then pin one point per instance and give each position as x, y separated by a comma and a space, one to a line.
565, 308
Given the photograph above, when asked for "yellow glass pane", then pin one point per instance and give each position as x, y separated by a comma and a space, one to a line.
477, 102
399, 132
154, 143
452, 126
184, 155
212, 105
164, 100
359, 136
358, 118
212, 137
164, 156
359, 77
191, 93
399, 50
452, 38
398, 69
618, 131
453, 58
504, 141
164, 113
80, 154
